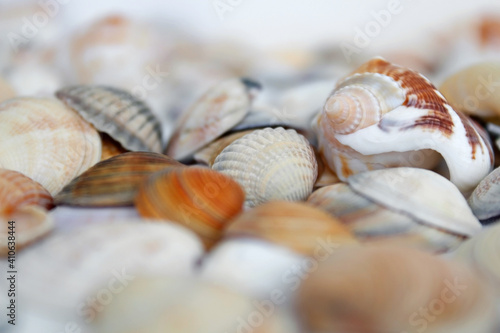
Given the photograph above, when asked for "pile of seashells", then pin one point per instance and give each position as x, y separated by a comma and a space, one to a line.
374, 206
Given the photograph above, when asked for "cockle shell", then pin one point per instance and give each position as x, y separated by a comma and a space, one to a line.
216, 112
115, 181
383, 116
392, 289
270, 164
208, 154
485, 200
110, 147
408, 206
116, 112
475, 90
201, 199
17, 190
46, 141
292, 224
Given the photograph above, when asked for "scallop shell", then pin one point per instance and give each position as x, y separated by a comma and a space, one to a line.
392, 289
17, 190
46, 141
200, 199
291, 224
270, 164
384, 116
474, 90
216, 112
116, 112
485, 200
110, 147
115, 181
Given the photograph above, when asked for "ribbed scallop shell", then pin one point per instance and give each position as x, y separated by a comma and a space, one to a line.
116, 112
270, 164
485, 200
46, 141
384, 115
115, 181
201, 199
17, 190
216, 112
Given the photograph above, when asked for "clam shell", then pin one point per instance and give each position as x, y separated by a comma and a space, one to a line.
46, 141
270, 164
110, 147
216, 112
115, 181
387, 289
201, 199
17, 190
485, 200
291, 224
116, 112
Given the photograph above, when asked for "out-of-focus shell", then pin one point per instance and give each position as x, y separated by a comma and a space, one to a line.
475, 89
485, 200
292, 224
383, 115
201, 199
110, 147
391, 289
17, 190
6, 91
216, 112
116, 112
208, 154
115, 181
270, 164
46, 141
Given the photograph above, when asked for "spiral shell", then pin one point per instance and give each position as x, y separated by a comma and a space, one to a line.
46, 141
270, 164
384, 115
116, 112
485, 200
198, 198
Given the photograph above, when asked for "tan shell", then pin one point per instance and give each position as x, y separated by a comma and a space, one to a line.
110, 147
292, 224
216, 112
46, 141
270, 164
17, 190
116, 112
391, 289
115, 181
201, 199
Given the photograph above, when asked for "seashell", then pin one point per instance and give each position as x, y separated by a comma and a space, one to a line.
325, 175
473, 90
216, 112
200, 199
386, 289
384, 116
408, 206
124, 117
485, 200
291, 224
115, 181
110, 147
6, 91
46, 141
208, 154
17, 190
30, 224
270, 164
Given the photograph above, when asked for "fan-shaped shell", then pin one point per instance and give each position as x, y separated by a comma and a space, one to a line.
115, 181
201, 199
291, 224
384, 115
270, 164
485, 200
17, 190
116, 112
46, 141
216, 112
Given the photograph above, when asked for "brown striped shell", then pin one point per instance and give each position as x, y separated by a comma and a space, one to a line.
198, 198
383, 115
118, 113
113, 182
